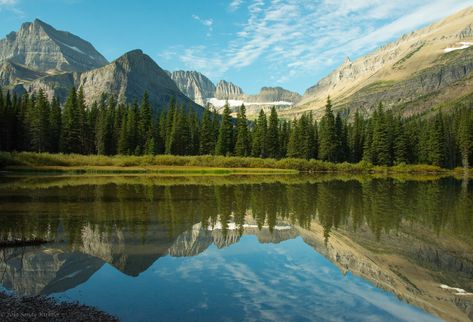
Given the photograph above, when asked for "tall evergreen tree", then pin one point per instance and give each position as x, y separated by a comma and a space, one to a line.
207, 136
259, 138
327, 135
465, 137
55, 125
71, 118
272, 136
225, 135
437, 148
242, 145
380, 140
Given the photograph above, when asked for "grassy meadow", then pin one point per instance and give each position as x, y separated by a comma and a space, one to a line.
170, 164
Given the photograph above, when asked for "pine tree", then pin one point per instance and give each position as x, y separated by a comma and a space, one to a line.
207, 141
259, 138
146, 115
194, 133
293, 148
105, 139
123, 147
170, 121
82, 121
380, 141
356, 140
285, 132
225, 135
437, 148
465, 137
327, 135
71, 118
55, 125
400, 144
272, 136
368, 140
242, 145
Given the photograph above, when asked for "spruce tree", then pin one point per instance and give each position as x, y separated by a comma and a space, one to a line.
71, 130
55, 125
39, 123
225, 135
465, 137
82, 121
327, 135
242, 145
380, 141
207, 141
356, 140
259, 138
272, 136
293, 147
401, 150
437, 148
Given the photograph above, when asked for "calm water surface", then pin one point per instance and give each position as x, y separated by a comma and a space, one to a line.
244, 248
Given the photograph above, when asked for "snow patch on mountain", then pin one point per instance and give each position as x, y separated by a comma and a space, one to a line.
218, 103
461, 45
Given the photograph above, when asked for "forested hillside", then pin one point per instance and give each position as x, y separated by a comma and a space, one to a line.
32, 123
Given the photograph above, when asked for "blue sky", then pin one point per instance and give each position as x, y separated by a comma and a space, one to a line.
253, 43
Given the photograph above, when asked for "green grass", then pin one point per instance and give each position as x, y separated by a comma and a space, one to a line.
168, 164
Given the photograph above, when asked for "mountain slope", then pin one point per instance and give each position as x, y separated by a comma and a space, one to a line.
201, 90
40, 47
128, 77
419, 65
40, 57
194, 85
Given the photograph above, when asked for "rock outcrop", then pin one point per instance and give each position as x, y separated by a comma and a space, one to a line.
227, 90
41, 57
128, 77
12, 74
40, 47
194, 85
417, 65
274, 94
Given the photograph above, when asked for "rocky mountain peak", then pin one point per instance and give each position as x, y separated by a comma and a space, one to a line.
41, 47
394, 62
194, 85
128, 77
227, 90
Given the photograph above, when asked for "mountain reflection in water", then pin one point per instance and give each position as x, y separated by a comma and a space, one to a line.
406, 237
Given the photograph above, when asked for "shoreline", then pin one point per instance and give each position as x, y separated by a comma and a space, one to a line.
30, 162
34, 308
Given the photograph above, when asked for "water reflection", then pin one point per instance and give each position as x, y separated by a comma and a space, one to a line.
408, 237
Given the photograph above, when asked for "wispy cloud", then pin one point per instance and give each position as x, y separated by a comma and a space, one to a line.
205, 22
7, 2
296, 37
11, 5
235, 5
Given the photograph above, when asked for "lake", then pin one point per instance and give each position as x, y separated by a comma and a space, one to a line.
253, 248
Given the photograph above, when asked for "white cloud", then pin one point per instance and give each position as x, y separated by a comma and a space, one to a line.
297, 37
235, 5
11, 5
205, 22
7, 2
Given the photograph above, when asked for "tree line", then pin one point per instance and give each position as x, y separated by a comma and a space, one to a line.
34, 123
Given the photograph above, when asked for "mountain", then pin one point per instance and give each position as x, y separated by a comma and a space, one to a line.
11, 73
128, 77
226, 91
201, 90
41, 57
414, 74
194, 85
40, 47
